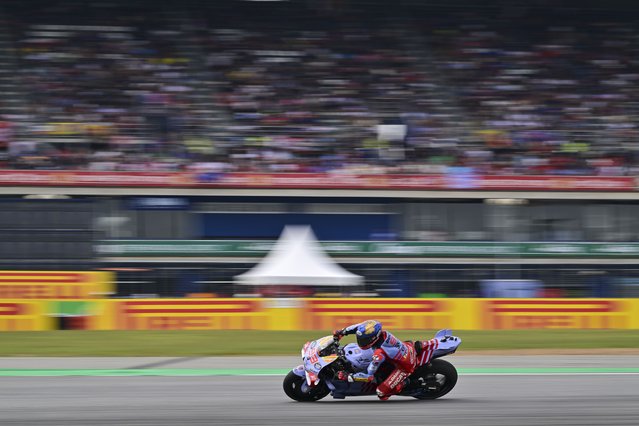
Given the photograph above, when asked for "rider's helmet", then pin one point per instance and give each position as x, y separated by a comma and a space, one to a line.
368, 333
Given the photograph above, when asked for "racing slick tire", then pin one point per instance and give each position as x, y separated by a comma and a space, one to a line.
434, 380
293, 388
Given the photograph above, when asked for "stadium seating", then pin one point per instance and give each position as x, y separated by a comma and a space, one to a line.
299, 87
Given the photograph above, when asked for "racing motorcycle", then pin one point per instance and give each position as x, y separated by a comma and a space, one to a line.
324, 358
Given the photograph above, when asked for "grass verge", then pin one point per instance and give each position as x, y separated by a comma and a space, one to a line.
229, 342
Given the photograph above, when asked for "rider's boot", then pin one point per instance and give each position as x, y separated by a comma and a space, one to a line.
382, 396
393, 384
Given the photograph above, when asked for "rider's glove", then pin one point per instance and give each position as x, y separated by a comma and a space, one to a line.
338, 334
343, 375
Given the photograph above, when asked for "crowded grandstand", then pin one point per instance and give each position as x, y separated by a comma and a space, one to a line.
418, 87
510, 125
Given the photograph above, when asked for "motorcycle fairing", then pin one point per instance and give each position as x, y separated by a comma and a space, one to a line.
447, 343
313, 362
299, 371
359, 358
311, 378
446, 332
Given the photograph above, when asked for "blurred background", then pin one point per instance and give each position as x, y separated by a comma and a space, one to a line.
437, 149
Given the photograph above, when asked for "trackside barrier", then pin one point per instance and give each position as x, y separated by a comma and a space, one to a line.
24, 315
501, 314
188, 314
399, 314
49, 300
318, 314
67, 285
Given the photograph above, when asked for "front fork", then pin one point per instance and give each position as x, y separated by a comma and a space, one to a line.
299, 371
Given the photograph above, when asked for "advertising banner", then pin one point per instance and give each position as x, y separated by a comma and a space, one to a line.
556, 313
318, 314
158, 203
555, 183
55, 285
189, 314
99, 179
399, 314
315, 180
23, 315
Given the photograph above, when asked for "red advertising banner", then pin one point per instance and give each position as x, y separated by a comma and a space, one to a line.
557, 183
314, 181
100, 179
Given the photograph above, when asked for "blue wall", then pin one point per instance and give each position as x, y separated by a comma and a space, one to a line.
325, 226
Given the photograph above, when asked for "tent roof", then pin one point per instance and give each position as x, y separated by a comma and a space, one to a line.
298, 259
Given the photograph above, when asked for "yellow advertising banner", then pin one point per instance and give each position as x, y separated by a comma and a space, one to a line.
499, 314
398, 314
317, 314
189, 314
55, 284
23, 315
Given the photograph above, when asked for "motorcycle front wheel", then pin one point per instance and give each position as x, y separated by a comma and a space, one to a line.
434, 380
295, 388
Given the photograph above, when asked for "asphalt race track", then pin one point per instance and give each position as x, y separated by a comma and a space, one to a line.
505, 399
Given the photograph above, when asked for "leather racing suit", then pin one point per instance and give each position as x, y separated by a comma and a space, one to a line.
402, 355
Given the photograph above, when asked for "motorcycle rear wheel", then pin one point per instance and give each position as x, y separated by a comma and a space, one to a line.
436, 379
293, 389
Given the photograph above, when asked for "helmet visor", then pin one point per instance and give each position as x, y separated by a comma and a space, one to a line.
365, 342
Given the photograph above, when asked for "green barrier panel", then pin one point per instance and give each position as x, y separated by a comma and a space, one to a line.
246, 248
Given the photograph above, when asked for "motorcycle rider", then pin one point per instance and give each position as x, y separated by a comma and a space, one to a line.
404, 356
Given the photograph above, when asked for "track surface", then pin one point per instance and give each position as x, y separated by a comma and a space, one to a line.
520, 400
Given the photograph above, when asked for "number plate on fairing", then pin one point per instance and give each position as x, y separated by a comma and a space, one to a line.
312, 361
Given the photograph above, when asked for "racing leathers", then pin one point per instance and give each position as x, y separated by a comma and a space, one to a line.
402, 355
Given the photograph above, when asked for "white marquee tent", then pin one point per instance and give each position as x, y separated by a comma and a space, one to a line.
298, 259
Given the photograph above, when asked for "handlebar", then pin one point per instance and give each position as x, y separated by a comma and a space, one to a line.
336, 340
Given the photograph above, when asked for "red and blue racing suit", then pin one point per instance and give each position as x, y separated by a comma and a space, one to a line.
401, 355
